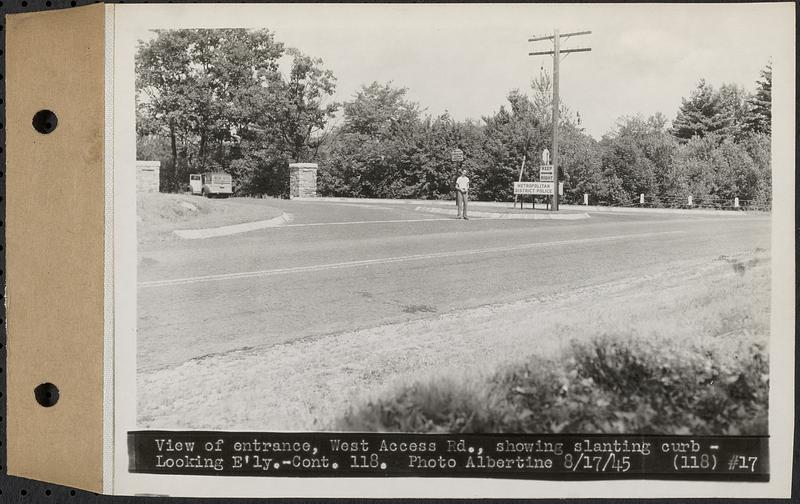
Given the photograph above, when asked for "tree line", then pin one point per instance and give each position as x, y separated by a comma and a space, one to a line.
239, 101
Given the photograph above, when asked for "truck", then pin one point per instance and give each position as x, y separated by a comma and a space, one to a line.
196, 183
211, 184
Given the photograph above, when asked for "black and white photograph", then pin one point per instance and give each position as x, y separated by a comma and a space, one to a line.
472, 220
401, 250
352, 226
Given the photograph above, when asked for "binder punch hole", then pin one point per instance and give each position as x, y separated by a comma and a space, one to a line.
46, 394
45, 121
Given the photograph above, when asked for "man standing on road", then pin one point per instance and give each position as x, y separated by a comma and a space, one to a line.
462, 188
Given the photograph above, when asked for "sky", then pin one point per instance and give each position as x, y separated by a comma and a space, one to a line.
465, 58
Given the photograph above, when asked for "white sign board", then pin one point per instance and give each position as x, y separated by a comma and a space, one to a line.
457, 155
546, 169
546, 177
538, 188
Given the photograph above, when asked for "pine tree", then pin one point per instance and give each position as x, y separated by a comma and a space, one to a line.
704, 112
733, 103
759, 105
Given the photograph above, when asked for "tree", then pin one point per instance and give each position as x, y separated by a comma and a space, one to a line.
297, 107
220, 100
757, 184
581, 166
436, 140
715, 172
511, 135
197, 87
370, 153
288, 124
377, 109
702, 113
733, 107
386, 149
759, 105
162, 68
542, 103
637, 158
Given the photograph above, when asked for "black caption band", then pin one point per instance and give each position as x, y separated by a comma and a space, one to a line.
513, 456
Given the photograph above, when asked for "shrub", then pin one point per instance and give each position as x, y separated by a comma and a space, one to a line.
435, 407
609, 385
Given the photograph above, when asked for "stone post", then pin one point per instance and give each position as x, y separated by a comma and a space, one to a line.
303, 180
148, 174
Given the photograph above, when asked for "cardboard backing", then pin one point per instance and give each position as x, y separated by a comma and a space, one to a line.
54, 208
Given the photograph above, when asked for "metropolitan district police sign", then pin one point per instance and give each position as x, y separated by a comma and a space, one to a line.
539, 188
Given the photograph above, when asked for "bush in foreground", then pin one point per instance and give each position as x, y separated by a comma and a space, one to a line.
609, 385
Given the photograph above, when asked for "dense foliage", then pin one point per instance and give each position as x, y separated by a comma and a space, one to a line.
219, 100
609, 385
212, 100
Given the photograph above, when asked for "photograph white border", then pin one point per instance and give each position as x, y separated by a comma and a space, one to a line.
130, 21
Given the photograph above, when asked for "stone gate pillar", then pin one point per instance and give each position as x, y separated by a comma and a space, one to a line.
148, 175
302, 180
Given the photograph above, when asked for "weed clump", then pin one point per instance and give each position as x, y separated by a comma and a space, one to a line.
608, 385
433, 407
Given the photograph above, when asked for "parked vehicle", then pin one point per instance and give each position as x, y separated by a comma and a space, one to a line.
216, 184
196, 183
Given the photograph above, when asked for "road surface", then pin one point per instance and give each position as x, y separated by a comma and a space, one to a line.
341, 266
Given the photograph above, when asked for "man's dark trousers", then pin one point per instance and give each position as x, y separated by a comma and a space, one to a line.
461, 201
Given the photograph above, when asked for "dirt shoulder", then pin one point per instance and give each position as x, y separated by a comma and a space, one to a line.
308, 384
159, 214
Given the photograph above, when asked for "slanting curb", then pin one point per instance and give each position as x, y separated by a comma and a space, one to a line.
503, 215
199, 234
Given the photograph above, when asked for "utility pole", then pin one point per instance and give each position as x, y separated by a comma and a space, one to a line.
556, 61
556, 52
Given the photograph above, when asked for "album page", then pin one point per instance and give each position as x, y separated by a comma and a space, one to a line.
441, 250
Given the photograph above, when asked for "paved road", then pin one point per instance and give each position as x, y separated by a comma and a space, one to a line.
342, 266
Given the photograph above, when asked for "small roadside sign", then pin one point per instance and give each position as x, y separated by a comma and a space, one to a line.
546, 173
537, 188
456, 155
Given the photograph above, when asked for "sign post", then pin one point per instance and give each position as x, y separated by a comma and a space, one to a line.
521, 171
